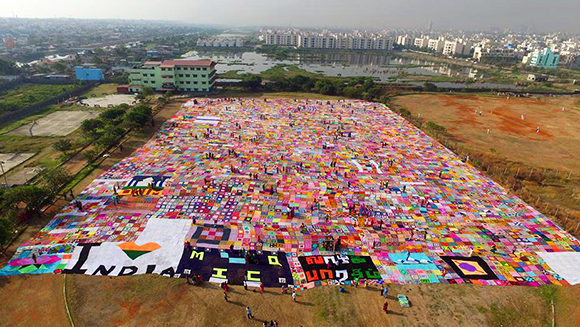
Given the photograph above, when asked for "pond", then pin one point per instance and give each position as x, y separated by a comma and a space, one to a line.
383, 67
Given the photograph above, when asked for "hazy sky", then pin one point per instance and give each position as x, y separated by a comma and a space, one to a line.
552, 15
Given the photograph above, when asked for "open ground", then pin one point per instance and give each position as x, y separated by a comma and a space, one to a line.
468, 119
60, 123
542, 166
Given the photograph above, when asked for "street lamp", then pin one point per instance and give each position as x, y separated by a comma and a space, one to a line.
3, 173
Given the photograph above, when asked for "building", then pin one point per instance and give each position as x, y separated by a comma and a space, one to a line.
456, 47
406, 40
495, 52
328, 40
570, 61
173, 75
422, 42
537, 78
221, 42
89, 73
436, 44
542, 59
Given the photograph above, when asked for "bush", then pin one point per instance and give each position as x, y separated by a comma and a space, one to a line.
147, 91
429, 87
252, 82
90, 155
62, 145
438, 129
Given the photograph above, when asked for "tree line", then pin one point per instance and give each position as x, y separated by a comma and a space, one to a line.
20, 203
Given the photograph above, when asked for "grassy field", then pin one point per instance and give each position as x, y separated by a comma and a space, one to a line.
101, 90
280, 71
30, 94
232, 93
541, 167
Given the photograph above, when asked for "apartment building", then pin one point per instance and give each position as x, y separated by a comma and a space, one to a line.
542, 58
436, 44
173, 75
406, 40
422, 42
456, 47
494, 52
327, 40
220, 42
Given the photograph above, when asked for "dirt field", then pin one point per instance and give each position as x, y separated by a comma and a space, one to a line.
556, 146
543, 168
159, 301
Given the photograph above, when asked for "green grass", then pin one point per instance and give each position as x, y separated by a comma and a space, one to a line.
101, 90
23, 143
30, 94
239, 93
29, 119
230, 74
287, 71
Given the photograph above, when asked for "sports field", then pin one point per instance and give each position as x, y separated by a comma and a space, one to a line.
303, 193
512, 123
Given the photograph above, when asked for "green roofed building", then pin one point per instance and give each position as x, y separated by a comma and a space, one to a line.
173, 75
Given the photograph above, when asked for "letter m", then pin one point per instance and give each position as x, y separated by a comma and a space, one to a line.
199, 255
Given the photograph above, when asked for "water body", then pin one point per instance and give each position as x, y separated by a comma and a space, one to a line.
386, 68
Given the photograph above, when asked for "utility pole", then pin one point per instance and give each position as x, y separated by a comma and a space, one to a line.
3, 173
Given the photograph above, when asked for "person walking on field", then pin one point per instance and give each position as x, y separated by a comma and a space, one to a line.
386, 307
261, 287
249, 313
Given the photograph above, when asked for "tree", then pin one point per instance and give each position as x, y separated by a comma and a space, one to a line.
353, 92
31, 196
252, 82
112, 116
429, 87
147, 91
6, 229
55, 178
62, 145
325, 87
8, 67
91, 127
110, 137
138, 116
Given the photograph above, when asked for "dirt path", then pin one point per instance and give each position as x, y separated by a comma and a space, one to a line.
76, 164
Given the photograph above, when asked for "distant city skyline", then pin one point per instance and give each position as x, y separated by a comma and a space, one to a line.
543, 16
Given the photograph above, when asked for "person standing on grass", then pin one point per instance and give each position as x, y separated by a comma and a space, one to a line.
385, 291
294, 295
249, 313
261, 287
386, 307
